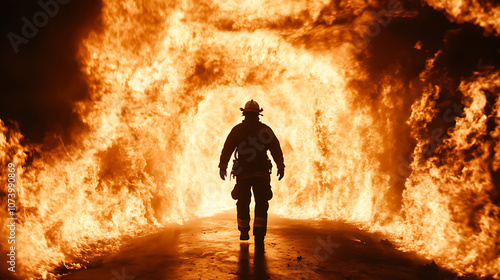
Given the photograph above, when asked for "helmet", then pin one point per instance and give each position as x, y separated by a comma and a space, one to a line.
252, 106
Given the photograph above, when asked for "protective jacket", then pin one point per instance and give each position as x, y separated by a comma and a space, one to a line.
251, 139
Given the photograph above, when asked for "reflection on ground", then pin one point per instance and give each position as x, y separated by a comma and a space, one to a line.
209, 248
255, 270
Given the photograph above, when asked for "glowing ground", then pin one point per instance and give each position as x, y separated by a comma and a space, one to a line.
208, 248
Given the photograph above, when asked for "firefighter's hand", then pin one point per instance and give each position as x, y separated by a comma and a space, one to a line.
281, 173
222, 173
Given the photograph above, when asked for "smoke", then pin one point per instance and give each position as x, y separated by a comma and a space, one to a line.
466, 53
393, 61
41, 77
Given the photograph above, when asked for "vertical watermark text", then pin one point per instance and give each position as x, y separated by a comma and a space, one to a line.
11, 218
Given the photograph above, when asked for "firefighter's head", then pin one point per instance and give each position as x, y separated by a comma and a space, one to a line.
251, 110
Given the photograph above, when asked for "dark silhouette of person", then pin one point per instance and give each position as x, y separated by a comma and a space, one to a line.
252, 168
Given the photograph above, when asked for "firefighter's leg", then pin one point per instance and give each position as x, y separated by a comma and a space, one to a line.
262, 192
243, 208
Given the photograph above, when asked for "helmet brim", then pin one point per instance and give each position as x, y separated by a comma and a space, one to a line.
251, 110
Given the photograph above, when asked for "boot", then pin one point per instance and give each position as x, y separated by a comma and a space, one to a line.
244, 235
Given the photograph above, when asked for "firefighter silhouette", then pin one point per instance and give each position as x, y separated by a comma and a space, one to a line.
252, 168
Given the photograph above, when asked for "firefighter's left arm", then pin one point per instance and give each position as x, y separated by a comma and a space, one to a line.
276, 152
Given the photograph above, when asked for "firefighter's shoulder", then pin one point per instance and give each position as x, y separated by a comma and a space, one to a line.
237, 128
265, 126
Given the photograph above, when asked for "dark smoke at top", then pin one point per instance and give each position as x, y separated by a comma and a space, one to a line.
41, 83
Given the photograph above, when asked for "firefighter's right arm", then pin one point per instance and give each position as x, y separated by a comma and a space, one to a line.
226, 153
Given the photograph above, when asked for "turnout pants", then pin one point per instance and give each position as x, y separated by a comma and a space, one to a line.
261, 186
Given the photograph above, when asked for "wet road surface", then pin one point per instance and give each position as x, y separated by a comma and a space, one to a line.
209, 248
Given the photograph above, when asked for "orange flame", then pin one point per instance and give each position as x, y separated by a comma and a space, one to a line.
168, 79
483, 13
449, 215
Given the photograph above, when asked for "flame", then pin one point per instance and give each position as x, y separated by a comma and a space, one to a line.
167, 80
483, 13
446, 203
